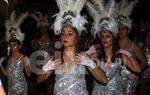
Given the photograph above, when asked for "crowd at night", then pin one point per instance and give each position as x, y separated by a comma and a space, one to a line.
74, 47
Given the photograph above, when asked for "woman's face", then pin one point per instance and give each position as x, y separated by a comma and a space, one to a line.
123, 31
68, 37
106, 39
44, 30
14, 47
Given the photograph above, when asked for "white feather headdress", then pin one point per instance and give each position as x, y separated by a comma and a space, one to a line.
102, 13
42, 20
124, 10
7, 1
12, 26
69, 14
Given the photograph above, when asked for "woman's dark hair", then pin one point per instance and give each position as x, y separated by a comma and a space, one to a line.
115, 48
22, 49
15, 40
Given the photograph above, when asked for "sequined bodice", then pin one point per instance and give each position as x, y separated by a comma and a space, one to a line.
16, 78
15, 69
112, 72
130, 79
126, 73
146, 73
70, 83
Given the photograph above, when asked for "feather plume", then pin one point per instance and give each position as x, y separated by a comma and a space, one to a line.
78, 5
62, 5
12, 27
8, 27
12, 18
104, 12
122, 5
98, 5
42, 20
124, 10
70, 4
57, 24
35, 17
125, 7
20, 19
69, 13
92, 12
7, 1
130, 7
110, 7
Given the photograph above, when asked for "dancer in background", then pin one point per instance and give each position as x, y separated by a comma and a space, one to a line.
144, 85
17, 63
125, 24
110, 58
42, 41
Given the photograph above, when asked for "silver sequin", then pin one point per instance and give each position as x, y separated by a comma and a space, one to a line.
70, 83
16, 78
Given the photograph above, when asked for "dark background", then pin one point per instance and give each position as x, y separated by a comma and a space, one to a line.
141, 11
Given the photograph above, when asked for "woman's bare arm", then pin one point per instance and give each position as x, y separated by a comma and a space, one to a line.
99, 74
26, 63
132, 63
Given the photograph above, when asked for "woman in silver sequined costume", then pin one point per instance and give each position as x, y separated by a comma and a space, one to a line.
111, 59
145, 76
70, 70
42, 40
107, 28
17, 64
131, 78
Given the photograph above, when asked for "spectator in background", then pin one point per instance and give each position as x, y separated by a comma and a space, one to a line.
42, 41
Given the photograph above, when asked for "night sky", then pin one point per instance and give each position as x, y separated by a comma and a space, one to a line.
139, 12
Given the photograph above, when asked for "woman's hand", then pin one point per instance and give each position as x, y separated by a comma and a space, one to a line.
86, 61
91, 50
126, 52
52, 64
130, 61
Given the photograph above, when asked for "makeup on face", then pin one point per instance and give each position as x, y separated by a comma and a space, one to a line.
14, 46
106, 37
68, 36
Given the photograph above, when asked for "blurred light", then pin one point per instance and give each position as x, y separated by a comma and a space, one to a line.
6, 1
